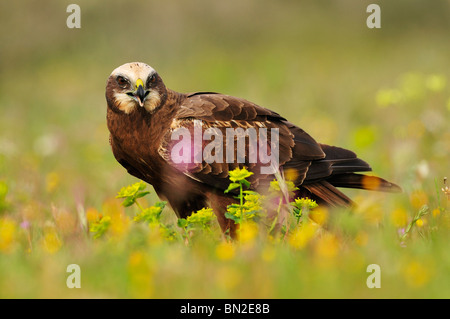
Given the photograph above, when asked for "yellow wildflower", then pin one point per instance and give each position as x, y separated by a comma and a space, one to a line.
7, 234
302, 235
51, 242
399, 217
225, 251
247, 231
416, 274
327, 246
319, 215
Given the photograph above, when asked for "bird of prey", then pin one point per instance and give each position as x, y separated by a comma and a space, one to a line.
143, 116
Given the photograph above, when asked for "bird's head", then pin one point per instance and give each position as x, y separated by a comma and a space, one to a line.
135, 85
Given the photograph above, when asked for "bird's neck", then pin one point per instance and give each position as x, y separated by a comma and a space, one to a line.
141, 126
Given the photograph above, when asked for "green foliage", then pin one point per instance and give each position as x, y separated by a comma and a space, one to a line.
249, 206
131, 193
151, 214
201, 219
100, 227
250, 209
3, 193
275, 188
303, 206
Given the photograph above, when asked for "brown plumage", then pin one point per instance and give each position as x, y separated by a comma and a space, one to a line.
142, 115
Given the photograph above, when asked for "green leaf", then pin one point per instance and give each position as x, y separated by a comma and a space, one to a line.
139, 195
231, 187
232, 217
246, 183
182, 223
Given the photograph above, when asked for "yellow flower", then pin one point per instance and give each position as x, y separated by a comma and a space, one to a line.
141, 272
418, 199
51, 242
361, 238
319, 215
399, 217
225, 251
386, 97
302, 235
327, 246
52, 181
416, 274
92, 215
436, 212
7, 234
436, 82
420, 222
238, 174
247, 232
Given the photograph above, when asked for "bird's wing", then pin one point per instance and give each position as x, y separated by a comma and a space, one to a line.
215, 113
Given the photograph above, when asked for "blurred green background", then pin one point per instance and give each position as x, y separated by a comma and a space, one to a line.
383, 93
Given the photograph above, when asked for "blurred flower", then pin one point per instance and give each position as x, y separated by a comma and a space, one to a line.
7, 234
275, 188
290, 174
416, 274
141, 273
47, 144
361, 238
327, 246
420, 222
436, 212
399, 217
247, 231
418, 198
436, 82
100, 226
412, 86
423, 169
302, 235
225, 251
386, 97
52, 181
92, 215
372, 212
364, 136
51, 242
66, 222
319, 215
25, 224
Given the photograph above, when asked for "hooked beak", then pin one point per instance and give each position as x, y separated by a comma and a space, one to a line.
139, 93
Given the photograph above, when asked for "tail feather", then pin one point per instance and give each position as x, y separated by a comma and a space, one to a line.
360, 181
324, 192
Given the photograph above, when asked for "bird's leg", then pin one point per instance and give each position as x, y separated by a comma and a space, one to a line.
219, 205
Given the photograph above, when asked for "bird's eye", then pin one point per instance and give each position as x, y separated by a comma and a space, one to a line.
151, 79
123, 83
